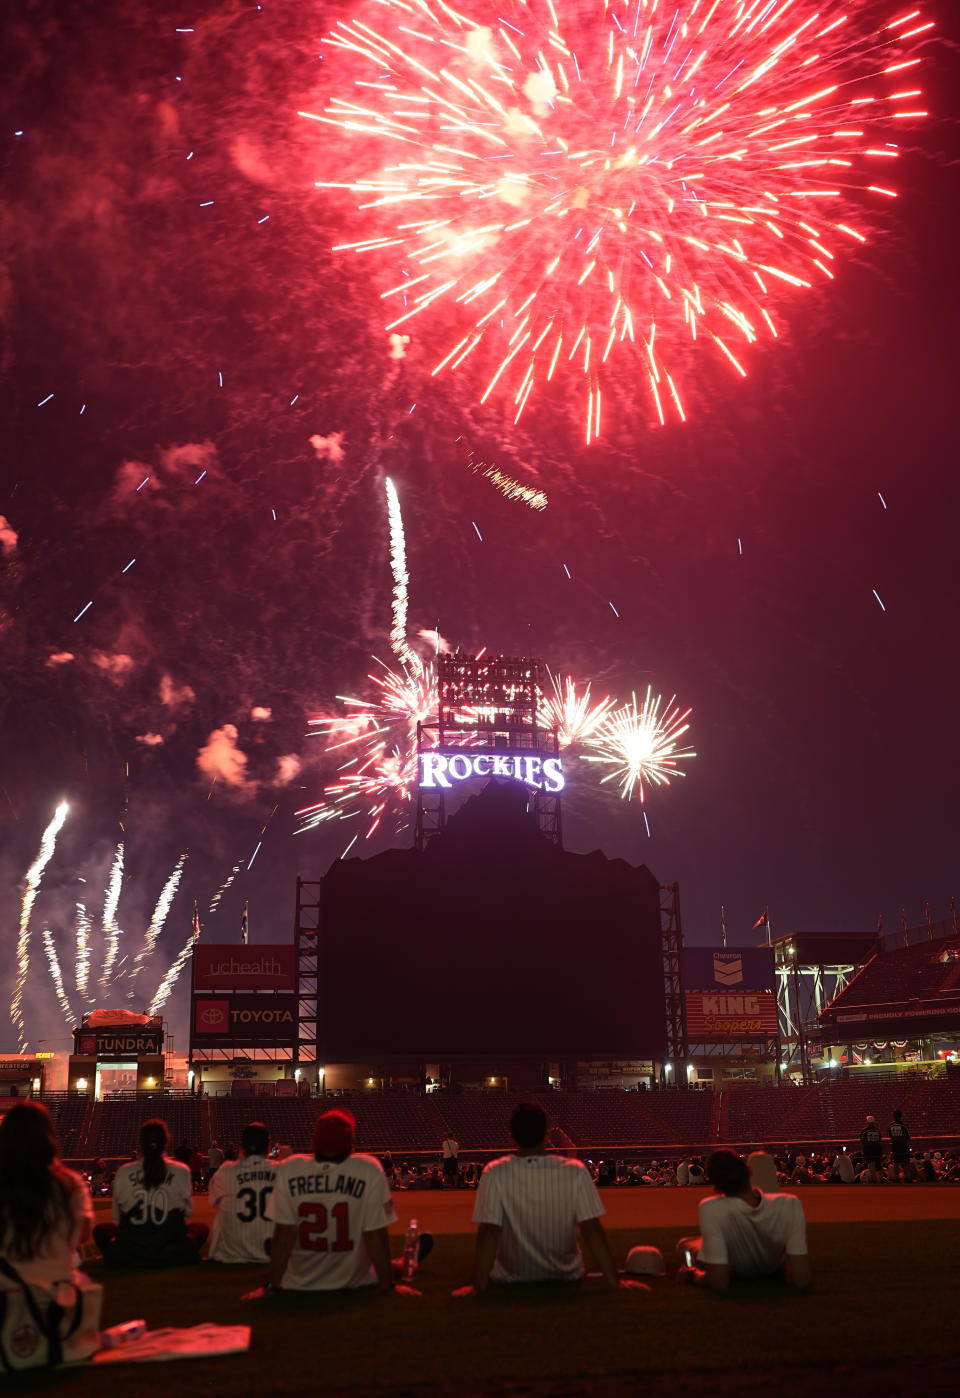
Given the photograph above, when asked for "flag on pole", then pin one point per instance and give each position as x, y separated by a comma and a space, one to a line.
244, 923
763, 919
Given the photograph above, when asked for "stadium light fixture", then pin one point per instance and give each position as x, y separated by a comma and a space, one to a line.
81, 1084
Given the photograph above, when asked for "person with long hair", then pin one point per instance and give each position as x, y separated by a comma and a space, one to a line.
45, 1209
152, 1200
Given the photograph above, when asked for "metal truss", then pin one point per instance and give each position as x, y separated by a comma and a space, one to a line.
675, 1010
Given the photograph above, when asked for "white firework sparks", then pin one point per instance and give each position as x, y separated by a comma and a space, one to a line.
108, 922
640, 744
31, 885
159, 917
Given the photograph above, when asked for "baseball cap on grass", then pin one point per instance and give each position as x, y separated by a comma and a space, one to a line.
333, 1134
645, 1262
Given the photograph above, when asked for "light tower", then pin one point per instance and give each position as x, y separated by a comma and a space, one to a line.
490, 704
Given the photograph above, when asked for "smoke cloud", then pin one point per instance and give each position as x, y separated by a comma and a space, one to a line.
329, 448
222, 759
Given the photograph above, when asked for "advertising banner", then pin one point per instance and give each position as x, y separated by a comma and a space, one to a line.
727, 968
117, 1045
244, 1021
244, 968
752, 1015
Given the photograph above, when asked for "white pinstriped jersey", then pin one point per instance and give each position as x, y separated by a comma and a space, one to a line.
537, 1201
240, 1191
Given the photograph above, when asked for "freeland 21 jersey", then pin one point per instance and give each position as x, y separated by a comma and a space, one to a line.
331, 1206
239, 1194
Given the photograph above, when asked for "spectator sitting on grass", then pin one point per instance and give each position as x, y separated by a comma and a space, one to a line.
238, 1196
332, 1210
529, 1207
745, 1234
841, 1171
152, 1200
45, 1209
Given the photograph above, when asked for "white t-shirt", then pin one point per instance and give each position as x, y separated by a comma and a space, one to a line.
537, 1201
451, 1148
239, 1194
332, 1206
752, 1241
683, 1173
56, 1255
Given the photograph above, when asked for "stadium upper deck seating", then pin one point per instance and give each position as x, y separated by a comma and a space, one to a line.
906, 973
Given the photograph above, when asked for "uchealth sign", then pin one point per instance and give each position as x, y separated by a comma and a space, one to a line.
442, 768
731, 1016
244, 1020
261, 967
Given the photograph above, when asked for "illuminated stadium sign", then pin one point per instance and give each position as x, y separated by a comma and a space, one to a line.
442, 767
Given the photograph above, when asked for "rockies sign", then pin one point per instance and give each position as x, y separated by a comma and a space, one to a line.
443, 768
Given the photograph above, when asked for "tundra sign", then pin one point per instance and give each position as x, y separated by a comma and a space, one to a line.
245, 1021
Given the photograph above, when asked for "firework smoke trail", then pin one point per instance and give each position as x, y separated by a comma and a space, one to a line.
401, 582
82, 957
614, 177
640, 744
571, 712
31, 881
53, 962
108, 921
159, 917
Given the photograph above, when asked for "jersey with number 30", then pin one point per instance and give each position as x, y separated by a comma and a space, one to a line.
151, 1220
239, 1194
331, 1206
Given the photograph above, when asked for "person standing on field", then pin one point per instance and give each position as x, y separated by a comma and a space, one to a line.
900, 1148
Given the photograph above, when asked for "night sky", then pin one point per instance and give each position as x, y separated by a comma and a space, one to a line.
741, 549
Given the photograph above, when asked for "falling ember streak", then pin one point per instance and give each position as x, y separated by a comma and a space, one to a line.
108, 919
31, 884
640, 745
877, 595
82, 955
508, 487
159, 917
401, 581
223, 887
53, 962
647, 824
569, 180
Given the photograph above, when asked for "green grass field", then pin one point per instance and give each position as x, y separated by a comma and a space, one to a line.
885, 1282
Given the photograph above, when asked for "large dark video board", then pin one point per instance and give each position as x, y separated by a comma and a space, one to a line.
492, 940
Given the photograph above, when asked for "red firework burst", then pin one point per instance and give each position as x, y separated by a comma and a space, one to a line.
616, 180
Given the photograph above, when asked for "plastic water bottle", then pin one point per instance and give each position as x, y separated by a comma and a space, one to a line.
411, 1250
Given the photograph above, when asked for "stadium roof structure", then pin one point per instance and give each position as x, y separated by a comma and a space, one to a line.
909, 992
825, 948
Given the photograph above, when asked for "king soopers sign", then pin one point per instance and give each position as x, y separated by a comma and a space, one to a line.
442, 768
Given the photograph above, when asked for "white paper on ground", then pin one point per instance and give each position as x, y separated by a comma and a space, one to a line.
195, 1342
